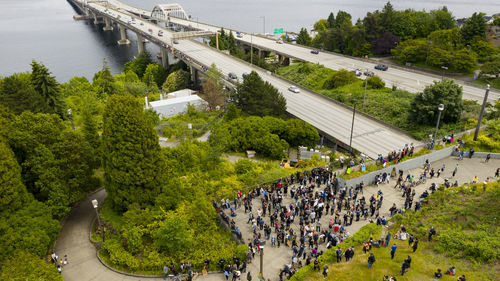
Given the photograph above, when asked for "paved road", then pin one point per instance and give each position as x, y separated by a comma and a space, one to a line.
369, 136
403, 79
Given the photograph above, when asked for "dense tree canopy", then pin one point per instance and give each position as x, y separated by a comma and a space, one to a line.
139, 64
132, 160
47, 87
176, 80
257, 97
424, 107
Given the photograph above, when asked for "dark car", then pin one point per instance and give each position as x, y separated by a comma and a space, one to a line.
232, 75
381, 67
244, 75
369, 73
314, 52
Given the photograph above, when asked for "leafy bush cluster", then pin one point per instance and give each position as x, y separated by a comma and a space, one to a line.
268, 136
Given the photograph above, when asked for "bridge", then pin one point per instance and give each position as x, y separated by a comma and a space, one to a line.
332, 119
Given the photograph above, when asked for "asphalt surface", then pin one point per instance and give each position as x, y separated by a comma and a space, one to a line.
369, 136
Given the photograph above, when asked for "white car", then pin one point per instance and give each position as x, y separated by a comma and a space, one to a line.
293, 89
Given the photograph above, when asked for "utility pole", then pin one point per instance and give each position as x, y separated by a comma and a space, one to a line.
440, 109
476, 133
261, 261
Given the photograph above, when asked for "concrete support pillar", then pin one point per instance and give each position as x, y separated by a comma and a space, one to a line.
96, 19
261, 54
283, 60
140, 43
109, 25
194, 75
123, 40
164, 57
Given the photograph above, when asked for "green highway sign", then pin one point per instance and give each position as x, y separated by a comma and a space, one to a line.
278, 30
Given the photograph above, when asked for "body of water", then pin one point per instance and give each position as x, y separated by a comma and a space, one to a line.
44, 30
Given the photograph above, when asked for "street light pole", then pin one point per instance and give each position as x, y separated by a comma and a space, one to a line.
95, 203
476, 133
440, 109
352, 127
261, 261
444, 68
263, 25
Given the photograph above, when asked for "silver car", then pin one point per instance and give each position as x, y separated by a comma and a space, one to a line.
294, 89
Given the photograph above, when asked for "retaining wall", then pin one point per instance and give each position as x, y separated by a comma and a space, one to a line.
406, 165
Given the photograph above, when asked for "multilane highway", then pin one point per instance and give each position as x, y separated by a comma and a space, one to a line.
403, 79
369, 136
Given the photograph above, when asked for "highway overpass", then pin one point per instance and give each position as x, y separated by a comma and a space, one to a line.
370, 136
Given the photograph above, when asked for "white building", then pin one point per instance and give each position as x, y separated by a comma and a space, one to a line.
173, 106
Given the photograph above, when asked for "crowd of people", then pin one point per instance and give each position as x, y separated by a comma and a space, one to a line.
59, 263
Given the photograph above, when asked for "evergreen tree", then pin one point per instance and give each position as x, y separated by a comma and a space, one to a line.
46, 86
331, 20
474, 26
18, 94
176, 80
12, 191
103, 81
304, 38
133, 164
257, 97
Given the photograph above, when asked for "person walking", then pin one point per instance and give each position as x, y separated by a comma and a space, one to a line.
339, 254
488, 157
371, 260
415, 245
165, 272
393, 250
325, 271
432, 232
455, 170
387, 239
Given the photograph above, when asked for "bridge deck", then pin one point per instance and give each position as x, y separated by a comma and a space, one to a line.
369, 136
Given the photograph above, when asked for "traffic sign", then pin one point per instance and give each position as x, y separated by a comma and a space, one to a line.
278, 30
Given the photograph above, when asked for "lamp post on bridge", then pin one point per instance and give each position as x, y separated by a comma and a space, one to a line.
263, 25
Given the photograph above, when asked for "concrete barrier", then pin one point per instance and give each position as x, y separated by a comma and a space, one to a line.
406, 165
480, 155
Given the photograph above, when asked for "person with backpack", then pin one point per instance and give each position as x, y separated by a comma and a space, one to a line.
371, 260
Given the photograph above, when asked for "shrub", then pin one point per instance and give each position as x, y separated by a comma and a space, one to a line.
375, 82
339, 79
133, 237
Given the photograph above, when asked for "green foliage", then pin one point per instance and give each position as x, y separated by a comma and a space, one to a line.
154, 73
18, 87
304, 38
488, 140
25, 266
475, 26
173, 236
103, 81
424, 107
57, 165
176, 80
339, 78
485, 50
139, 64
47, 87
463, 217
375, 82
258, 97
267, 136
133, 237
131, 154
12, 191
491, 68
153, 116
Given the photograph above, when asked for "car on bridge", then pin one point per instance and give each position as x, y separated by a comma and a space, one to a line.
314, 52
368, 73
294, 89
357, 72
382, 67
160, 33
279, 41
232, 75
